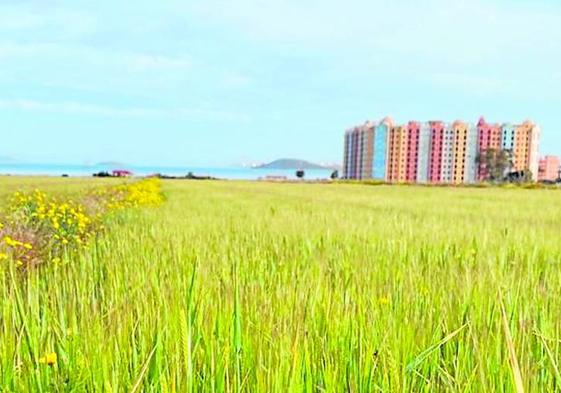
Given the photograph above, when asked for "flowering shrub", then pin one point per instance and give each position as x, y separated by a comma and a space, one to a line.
39, 228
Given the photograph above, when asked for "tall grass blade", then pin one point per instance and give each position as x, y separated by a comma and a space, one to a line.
143, 371
412, 366
550, 356
513, 359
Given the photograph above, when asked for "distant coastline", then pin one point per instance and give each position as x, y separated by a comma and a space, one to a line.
236, 173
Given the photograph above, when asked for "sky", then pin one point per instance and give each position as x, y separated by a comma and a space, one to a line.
224, 82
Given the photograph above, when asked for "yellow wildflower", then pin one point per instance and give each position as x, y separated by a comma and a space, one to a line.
12, 242
49, 359
384, 300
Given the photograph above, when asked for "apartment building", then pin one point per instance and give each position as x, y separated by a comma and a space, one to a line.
435, 151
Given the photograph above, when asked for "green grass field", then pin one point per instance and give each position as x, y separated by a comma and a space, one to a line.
240, 286
68, 186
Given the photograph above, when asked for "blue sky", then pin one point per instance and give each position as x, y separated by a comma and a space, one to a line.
219, 82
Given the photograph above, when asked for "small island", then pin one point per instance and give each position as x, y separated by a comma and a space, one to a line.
291, 163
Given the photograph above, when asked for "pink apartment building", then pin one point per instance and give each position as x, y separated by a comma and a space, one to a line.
490, 137
413, 131
549, 168
437, 139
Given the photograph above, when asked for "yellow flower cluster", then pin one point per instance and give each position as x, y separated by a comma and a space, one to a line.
62, 224
3, 255
146, 192
20, 249
16, 243
42, 228
11, 246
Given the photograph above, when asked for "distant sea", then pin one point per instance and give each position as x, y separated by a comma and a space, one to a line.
221, 173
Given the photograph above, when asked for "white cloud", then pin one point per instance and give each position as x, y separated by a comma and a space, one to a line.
72, 107
39, 52
90, 68
461, 32
236, 80
473, 84
75, 107
154, 62
531, 90
46, 18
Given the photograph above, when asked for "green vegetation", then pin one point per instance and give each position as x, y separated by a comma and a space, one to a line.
68, 186
499, 167
235, 286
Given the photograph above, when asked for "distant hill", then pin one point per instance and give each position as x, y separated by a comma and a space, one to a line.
290, 163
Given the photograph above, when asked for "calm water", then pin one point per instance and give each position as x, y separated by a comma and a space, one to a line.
222, 173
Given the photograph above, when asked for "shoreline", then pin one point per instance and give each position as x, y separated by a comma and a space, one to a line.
218, 173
